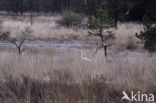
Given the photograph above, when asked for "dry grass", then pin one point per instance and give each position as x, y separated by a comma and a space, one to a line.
48, 75
43, 28
125, 32
62, 76
46, 27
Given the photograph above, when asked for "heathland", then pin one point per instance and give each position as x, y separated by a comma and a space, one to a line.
51, 69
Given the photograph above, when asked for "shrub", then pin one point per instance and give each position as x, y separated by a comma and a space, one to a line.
70, 19
148, 35
130, 44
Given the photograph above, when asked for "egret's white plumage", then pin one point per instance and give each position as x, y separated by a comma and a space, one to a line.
85, 58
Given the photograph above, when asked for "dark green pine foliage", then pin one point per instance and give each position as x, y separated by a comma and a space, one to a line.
99, 25
148, 35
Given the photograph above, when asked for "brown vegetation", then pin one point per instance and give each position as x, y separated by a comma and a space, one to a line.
48, 75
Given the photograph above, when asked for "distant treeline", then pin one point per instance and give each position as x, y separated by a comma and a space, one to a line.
117, 9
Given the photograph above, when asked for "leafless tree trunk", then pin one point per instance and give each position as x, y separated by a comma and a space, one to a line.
17, 43
18, 46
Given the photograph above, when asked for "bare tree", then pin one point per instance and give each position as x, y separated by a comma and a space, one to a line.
18, 43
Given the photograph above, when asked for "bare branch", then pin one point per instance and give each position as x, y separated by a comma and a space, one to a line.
110, 44
14, 42
18, 43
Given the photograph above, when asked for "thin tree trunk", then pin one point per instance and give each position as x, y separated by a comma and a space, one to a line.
105, 51
19, 50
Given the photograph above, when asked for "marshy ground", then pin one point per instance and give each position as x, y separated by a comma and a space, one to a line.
51, 69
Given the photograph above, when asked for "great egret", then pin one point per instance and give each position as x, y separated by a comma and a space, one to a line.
85, 58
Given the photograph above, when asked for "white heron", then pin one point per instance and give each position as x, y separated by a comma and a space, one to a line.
85, 58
